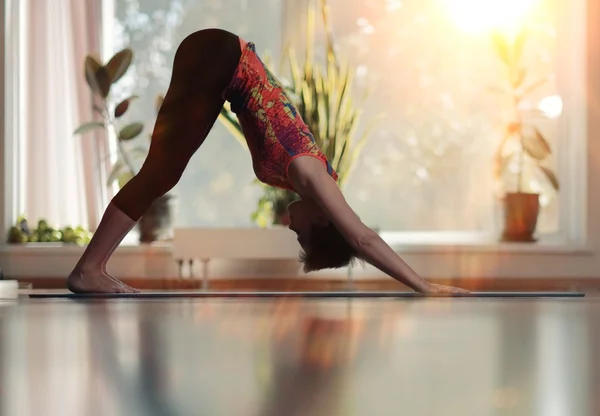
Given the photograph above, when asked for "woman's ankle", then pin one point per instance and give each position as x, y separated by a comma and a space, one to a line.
87, 269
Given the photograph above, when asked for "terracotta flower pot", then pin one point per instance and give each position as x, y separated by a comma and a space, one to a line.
521, 212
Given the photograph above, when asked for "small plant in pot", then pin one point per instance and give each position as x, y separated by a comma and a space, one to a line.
523, 149
156, 223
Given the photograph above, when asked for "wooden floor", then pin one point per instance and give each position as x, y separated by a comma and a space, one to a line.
463, 357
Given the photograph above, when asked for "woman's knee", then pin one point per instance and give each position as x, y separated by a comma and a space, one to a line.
163, 173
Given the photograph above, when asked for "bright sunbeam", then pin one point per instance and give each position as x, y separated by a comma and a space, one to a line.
476, 16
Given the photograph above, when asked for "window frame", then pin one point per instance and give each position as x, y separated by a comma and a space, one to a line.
571, 166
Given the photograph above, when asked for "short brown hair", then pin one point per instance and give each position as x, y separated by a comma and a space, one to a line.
327, 249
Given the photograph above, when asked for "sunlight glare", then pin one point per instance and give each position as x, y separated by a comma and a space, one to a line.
476, 16
551, 106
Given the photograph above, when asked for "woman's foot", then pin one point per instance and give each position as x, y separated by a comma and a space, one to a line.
96, 282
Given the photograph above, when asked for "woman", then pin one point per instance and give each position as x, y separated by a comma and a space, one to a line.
212, 66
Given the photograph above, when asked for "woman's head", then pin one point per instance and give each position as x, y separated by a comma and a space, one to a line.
323, 246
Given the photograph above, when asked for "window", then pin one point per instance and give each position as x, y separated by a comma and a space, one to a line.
428, 164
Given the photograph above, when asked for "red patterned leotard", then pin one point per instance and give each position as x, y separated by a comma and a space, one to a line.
274, 131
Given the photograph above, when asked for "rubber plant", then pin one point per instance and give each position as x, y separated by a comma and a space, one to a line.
323, 96
156, 223
101, 78
523, 146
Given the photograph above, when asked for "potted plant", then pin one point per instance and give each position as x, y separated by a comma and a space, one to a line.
157, 222
322, 94
523, 148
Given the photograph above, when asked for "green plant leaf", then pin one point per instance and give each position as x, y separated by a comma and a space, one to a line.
131, 131
518, 44
501, 47
550, 176
91, 65
310, 37
326, 15
536, 145
96, 77
122, 107
85, 127
118, 65
103, 83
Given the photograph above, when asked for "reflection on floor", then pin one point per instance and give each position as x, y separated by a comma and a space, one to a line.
300, 357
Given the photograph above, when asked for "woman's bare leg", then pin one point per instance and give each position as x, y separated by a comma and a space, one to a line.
203, 67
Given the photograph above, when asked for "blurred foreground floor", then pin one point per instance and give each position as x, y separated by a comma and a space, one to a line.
214, 357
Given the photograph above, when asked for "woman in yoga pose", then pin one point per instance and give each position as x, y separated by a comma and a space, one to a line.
212, 66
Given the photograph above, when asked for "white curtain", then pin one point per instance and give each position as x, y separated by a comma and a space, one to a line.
63, 175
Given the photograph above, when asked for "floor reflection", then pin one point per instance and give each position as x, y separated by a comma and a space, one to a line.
294, 357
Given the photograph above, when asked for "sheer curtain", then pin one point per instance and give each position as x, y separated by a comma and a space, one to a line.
63, 175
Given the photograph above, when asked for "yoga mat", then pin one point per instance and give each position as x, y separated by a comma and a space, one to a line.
338, 294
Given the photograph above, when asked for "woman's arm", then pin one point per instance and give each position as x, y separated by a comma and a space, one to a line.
312, 181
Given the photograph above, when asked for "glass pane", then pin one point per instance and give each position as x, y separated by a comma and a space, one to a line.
217, 188
430, 65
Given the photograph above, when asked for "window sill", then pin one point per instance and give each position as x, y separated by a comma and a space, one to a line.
476, 243
71, 249
423, 243
477, 258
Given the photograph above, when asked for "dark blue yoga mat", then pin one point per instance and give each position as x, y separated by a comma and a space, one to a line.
336, 294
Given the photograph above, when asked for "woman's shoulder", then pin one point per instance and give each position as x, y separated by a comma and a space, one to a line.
307, 168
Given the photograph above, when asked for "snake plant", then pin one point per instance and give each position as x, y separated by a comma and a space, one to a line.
323, 95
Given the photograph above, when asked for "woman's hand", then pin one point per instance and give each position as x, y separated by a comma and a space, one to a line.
432, 289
